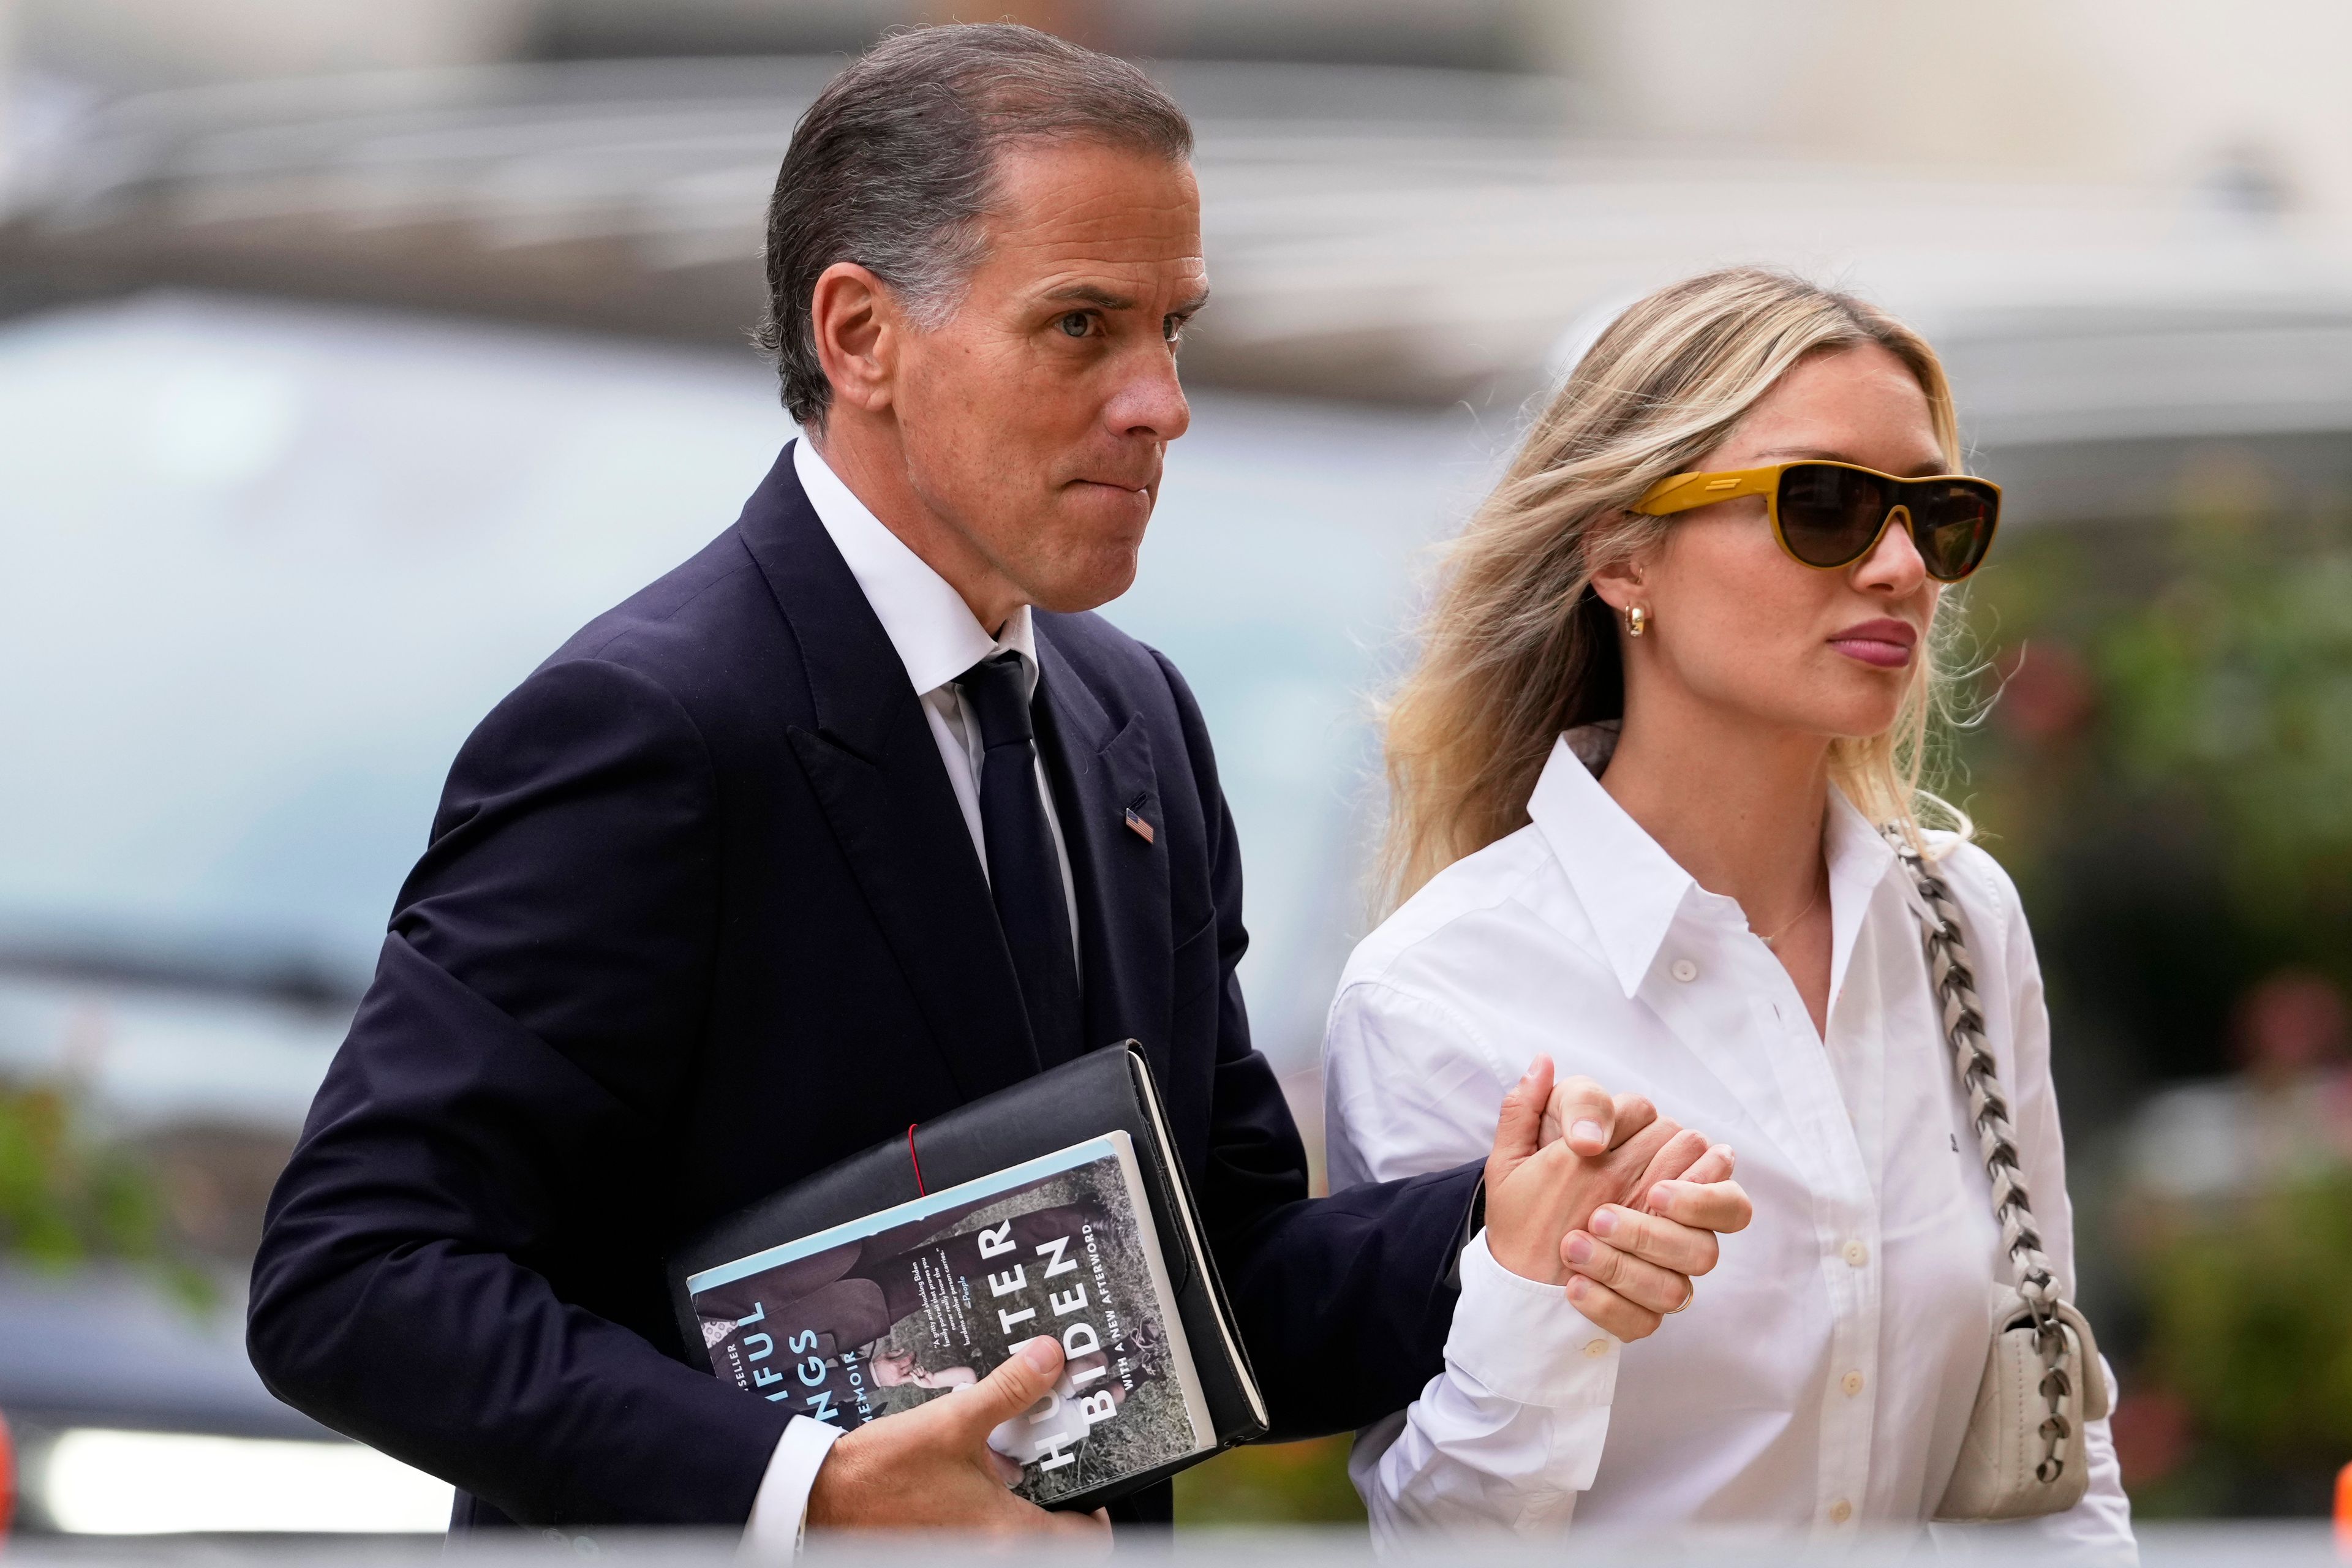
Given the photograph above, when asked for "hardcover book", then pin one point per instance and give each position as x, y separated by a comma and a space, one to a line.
903, 1274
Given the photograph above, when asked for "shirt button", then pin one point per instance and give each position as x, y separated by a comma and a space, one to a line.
1596, 1349
1856, 1254
1851, 1383
1683, 970
1840, 1512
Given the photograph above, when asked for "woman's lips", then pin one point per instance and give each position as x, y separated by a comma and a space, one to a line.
1882, 644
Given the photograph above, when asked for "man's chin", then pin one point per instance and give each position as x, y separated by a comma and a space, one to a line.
1088, 587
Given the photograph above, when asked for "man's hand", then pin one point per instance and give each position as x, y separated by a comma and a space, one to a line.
931, 1468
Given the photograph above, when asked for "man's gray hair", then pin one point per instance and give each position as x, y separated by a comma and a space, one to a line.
892, 167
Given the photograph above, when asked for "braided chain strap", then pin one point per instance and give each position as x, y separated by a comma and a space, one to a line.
1956, 991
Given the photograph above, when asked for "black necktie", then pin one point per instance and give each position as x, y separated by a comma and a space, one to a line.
1025, 875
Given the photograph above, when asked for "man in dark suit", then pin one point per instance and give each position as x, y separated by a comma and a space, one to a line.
854, 816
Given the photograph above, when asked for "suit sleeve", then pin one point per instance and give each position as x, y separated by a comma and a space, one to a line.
534, 1013
1344, 1301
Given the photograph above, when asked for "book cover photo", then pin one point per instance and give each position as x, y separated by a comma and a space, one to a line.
917, 1301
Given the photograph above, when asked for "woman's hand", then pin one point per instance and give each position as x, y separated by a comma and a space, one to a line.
1633, 1266
1588, 1117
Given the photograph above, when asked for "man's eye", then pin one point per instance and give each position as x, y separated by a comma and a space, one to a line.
1076, 324
1171, 329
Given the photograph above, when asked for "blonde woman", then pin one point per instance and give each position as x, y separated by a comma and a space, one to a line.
1638, 778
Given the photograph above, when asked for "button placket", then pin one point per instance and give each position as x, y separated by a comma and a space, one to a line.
1844, 1212
1846, 1418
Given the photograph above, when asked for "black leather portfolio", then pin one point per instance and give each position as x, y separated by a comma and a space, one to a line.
1058, 1206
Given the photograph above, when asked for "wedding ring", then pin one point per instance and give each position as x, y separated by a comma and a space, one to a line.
1690, 1294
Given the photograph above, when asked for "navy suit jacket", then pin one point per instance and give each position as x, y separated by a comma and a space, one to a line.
698, 916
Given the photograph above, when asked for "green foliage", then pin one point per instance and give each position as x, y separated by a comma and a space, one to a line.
2233, 686
2249, 1321
2214, 658
1271, 1483
61, 1199
67, 1198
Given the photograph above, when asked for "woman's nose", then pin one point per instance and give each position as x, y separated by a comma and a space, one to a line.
1893, 566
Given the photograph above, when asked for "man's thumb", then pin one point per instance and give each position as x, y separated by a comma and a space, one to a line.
1023, 1380
1518, 1130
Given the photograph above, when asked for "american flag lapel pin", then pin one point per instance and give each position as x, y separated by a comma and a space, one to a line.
1135, 820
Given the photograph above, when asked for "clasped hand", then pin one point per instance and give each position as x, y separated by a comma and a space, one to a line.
1606, 1196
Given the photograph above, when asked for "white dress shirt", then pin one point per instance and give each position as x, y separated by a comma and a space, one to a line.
937, 637
1822, 1377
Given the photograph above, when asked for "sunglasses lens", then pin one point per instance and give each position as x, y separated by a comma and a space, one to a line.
1828, 515
1952, 522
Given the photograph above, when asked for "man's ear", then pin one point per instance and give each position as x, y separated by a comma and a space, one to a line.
857, 325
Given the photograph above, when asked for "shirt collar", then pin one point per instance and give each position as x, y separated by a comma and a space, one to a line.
1632, 889
1859, 859
934, 632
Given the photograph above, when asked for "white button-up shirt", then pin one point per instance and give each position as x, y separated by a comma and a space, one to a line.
1824, 1375
936, 638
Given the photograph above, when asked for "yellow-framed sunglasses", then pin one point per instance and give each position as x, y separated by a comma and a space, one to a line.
1831, 515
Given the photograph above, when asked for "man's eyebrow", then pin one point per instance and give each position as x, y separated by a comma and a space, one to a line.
1829, 455
1090, 294
1103, 300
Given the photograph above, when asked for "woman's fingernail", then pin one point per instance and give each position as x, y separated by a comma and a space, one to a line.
1604, 1222
1723, 1153
1587, 1132
1577, 1288
1580, 1247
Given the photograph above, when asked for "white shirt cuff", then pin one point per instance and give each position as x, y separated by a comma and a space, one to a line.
779, 1507
1522, 1340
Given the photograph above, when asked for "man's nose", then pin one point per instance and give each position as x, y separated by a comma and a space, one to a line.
1149, 401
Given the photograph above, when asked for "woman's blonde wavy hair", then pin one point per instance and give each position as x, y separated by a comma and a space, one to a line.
1515, 648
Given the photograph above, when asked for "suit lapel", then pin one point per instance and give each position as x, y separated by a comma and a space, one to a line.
1100, 776
876, 774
